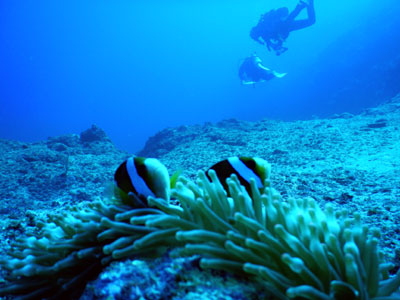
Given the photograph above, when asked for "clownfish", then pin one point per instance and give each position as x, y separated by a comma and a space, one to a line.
141, 177
245, 168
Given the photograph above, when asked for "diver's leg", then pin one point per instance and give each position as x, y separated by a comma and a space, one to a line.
300, 24
299, 7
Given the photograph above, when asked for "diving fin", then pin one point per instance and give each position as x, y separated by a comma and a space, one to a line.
279, 75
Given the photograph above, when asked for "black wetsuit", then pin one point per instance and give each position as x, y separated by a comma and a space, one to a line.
273, 28
251, 71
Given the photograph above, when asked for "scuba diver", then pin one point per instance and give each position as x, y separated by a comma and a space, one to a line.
252, 71
274, 27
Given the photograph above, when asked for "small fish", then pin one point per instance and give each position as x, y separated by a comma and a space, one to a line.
140, 177
245, 168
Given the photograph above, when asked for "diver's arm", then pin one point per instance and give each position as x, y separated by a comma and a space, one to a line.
259, 65
260, 41
271, 72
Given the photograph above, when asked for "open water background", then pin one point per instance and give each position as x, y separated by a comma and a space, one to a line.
136, 67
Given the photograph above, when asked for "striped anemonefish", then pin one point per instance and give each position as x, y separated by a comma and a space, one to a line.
245, 168
142, 177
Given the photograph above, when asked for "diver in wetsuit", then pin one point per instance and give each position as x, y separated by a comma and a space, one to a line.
252, 71
274, 27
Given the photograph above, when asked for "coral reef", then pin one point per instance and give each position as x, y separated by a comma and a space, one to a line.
93, 134
46, 176
340, 161
294, 248
167, 277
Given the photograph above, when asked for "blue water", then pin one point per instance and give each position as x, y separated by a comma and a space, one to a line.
135, 67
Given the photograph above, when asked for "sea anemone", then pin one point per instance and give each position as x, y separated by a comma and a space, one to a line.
294, 248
